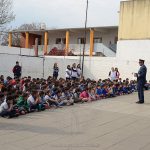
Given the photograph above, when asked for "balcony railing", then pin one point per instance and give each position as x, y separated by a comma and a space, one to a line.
77, 49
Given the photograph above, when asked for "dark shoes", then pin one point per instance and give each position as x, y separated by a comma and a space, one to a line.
138, 102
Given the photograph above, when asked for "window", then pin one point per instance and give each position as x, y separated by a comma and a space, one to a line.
81, 41
98, 40
63, 41
58, 40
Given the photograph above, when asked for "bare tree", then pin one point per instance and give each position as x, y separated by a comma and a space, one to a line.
6, 13
16, 34
31, 26
6, 16
24, 27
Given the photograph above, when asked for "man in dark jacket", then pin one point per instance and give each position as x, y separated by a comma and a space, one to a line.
141, 80
17, 70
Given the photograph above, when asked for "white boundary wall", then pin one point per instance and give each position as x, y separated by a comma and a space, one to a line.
94, 67
133, 49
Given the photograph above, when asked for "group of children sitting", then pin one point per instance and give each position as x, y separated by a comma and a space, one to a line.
26, 95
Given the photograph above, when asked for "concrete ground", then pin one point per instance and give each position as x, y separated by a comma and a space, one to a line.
112, 124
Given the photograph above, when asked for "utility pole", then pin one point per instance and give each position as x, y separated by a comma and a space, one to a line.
85, 32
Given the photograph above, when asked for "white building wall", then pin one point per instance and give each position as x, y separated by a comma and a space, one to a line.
133, 49
32, 66
80, 34
53, 35
107, 36
94, 67
73, 36
128, 53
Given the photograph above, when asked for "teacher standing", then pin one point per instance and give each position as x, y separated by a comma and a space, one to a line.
141, 80
55, 71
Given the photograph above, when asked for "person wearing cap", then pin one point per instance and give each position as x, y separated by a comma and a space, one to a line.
141, 80
17, 70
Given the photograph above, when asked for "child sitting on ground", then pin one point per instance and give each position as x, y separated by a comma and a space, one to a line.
51, 100
104, 91
92, 94
98, 92
111, 91
42, 101
84, 96
76, 95
33, 103
6, 108
22, 104
67, 97
57, 97
39, 101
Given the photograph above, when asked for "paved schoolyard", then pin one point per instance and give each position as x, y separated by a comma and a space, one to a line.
112, 124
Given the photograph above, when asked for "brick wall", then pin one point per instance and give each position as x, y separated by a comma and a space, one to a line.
32, 38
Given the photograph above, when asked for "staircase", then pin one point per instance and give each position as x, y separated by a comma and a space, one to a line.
101, 48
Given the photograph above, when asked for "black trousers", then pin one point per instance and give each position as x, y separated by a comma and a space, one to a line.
140, 88
17, 75
10, 114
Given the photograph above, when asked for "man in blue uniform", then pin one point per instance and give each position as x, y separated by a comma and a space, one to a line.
141, 80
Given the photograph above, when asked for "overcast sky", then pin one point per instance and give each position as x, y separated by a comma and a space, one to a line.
66, 13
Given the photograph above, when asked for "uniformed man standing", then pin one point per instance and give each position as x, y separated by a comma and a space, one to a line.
141, 80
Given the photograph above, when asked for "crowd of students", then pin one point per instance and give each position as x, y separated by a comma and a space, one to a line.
19, 96
25, 95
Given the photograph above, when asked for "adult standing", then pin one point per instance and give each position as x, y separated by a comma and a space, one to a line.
117, 73
55, 71
68, 73
112, 74
74, 74
141, 80
17, 70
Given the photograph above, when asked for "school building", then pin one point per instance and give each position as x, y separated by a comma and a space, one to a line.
98, 41
134, 30
132, 38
